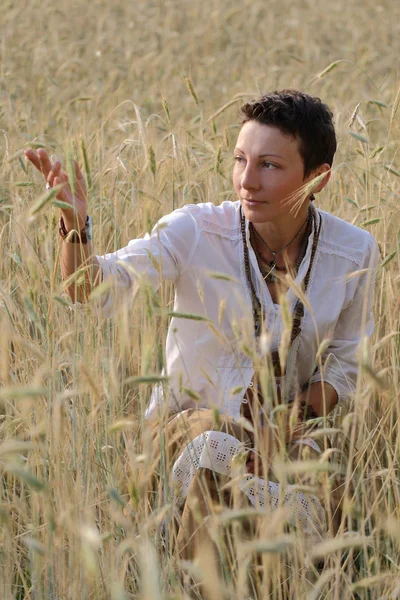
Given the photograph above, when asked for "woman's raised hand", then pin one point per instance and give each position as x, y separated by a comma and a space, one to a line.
75, 217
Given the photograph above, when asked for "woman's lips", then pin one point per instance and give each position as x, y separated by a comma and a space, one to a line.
253, 202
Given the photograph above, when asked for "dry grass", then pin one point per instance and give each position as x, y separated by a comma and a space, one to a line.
149, 89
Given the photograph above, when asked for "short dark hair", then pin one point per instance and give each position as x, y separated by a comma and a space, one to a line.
304, 117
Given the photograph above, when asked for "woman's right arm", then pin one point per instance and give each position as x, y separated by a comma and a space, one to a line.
74, 255
164, 254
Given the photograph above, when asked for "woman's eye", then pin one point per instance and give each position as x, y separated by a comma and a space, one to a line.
265, 165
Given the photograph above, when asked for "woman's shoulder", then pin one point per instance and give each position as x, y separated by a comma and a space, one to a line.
222, 218
345, 239
211, 211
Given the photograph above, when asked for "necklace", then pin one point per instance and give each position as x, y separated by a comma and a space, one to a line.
272, 264
298, 312
267, 268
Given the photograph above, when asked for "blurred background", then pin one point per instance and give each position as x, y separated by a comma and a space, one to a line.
145, 96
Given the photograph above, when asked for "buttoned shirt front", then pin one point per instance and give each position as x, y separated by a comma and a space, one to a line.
200, 249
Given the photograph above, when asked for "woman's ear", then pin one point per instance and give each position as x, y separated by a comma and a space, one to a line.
322, 180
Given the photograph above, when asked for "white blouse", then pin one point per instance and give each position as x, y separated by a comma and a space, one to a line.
200, 249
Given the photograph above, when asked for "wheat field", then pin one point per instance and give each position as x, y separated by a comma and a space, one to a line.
145, 95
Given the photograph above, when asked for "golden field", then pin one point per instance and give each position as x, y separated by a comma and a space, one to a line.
145, 96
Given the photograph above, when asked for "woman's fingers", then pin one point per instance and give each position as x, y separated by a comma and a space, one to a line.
65, 193
33, 158
54, 176
80, 181
45, 162
40, 160
78, 172
54, 172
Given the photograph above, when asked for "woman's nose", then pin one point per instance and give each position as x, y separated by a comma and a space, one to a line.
250, 179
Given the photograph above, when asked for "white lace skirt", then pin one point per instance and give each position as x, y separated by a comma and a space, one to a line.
215, 450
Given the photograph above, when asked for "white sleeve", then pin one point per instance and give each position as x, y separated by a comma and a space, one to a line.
162, 255
339, 361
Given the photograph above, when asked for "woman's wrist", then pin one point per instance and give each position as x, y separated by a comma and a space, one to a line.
306, 412
73, 236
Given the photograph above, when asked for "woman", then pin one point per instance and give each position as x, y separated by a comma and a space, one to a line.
281, 316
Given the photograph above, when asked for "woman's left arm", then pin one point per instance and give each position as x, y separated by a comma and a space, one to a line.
337, 379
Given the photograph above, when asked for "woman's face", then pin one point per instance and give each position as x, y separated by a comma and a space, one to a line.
268, 171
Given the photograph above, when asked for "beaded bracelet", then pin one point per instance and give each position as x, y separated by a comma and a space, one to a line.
306, 412
74, 237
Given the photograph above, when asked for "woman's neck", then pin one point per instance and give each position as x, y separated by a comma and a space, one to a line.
280, 232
